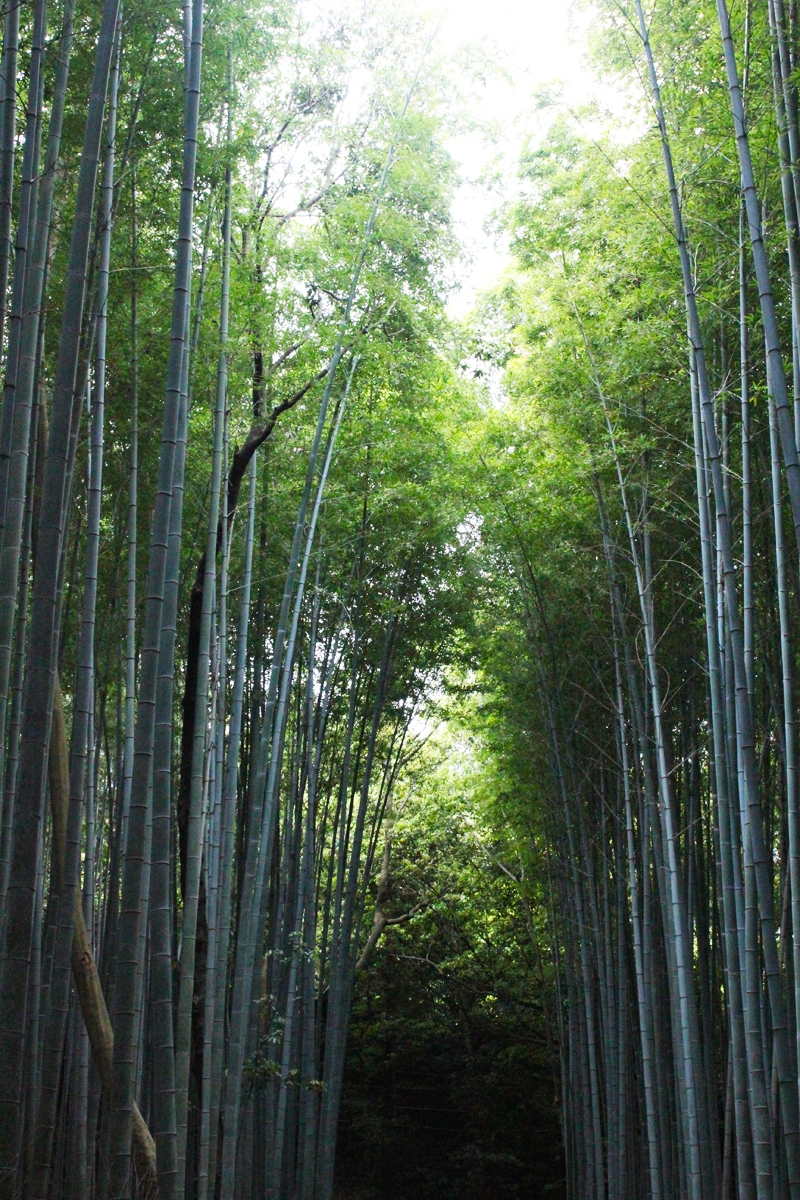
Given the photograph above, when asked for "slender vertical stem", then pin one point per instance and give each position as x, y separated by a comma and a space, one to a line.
196, 814
132, 882
8, 125
28, 812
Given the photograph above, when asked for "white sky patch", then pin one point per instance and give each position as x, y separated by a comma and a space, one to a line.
469, 531
541, 45
538, 43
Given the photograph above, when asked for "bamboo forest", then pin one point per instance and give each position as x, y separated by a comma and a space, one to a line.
400, 600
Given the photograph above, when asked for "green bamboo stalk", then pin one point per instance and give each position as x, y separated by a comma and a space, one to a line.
44, 629
83, 700
183, 1037
769, 320
130, 913
260, 842
8, 125
744, 720
28, 200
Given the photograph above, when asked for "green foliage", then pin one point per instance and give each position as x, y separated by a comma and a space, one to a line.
449, 1087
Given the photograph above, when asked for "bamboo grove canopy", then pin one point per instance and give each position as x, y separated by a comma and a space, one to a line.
228, 571
268, 514
643, 504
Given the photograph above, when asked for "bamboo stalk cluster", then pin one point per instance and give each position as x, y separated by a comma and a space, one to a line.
672, 826
181, 916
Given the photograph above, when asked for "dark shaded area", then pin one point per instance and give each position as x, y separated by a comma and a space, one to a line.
449, 1092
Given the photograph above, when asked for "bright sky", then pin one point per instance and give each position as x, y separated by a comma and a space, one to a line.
535, 43
538, 42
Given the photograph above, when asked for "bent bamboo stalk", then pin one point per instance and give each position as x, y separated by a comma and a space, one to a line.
84, 968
